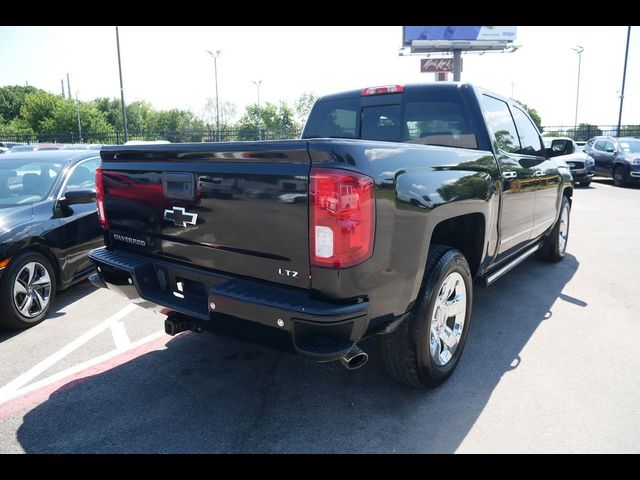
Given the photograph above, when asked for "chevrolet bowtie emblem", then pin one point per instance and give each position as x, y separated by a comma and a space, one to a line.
179, 217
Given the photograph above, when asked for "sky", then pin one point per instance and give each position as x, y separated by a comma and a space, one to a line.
169, 66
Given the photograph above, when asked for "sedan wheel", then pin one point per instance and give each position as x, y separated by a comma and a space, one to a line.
27, 290
32, 290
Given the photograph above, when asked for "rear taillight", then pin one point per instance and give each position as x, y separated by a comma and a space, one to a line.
341, 217
382, 90
102, 215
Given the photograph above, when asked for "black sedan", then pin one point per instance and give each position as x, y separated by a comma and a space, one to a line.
48, 224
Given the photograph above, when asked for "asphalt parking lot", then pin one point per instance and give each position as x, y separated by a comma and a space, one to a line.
551, 365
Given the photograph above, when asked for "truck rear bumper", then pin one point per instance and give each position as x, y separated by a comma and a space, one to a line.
280, 317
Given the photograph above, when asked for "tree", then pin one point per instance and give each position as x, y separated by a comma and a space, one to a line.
139, 114
16, 127
276, 121
302, 106
112, 110
46, 113
11, 100
227, 114
533, 113
38, 108
585, 131
174, 119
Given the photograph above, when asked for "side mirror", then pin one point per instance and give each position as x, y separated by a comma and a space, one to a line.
561, 147
611, 150
75, 197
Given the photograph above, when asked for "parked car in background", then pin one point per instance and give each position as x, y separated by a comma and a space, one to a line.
3, 148
617, 158
580, 164
48, 224
22, 148
147, 142
82, 146
35, 147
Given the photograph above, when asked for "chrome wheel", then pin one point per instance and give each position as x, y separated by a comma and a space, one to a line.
32, 290
447, 320
563, 230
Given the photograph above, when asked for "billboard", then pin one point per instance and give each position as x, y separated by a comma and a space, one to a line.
463, 33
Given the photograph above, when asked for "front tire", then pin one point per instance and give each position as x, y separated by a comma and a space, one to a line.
27, 290
554, 246
426, 347
620, 176
585, 184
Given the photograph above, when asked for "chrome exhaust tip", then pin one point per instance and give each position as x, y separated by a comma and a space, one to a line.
354, 359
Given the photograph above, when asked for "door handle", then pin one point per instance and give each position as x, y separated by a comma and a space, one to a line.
508, 175
538, 173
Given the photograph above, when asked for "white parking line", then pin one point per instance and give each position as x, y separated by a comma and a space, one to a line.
120, 337
9, 395
36, 370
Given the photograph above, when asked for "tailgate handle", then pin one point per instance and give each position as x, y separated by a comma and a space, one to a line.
179, 185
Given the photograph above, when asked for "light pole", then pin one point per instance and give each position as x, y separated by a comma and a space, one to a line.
124, 107
215, 67
78, 112
578, 49
257, 84
624, 77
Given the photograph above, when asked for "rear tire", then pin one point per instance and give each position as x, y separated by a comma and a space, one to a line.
424, 350
554, 246
27, 290
620, 176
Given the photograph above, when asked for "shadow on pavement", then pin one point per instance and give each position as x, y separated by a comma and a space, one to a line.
209, 394
609, 181
67, 297
6, 334
62, 300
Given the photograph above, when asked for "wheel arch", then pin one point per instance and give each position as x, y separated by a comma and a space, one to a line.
44, 250
568, 192
465, 233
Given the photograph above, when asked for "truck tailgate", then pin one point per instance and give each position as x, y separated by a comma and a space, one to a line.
239, 208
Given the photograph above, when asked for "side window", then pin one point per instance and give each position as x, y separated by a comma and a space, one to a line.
343, 123
334, 119
500, 120
608, 145
83, 176
600, 145
529, 137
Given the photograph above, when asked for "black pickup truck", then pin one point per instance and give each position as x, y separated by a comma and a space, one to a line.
377, 221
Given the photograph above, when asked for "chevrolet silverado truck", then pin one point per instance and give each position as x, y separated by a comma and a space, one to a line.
411, 193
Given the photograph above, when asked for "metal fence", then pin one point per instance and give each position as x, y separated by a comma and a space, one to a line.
583, 132
587, 131
185, 136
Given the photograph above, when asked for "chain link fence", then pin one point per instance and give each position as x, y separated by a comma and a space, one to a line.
586, 131
185, 136
582, 132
